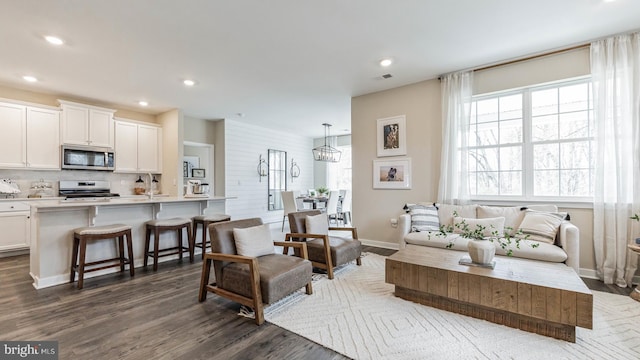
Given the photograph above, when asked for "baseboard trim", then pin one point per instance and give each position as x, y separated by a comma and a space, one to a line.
591, 274
380, 244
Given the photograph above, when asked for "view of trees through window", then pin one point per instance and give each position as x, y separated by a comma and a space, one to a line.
533, 142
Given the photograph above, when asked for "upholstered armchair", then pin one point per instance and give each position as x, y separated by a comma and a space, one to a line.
325, 252
262, 277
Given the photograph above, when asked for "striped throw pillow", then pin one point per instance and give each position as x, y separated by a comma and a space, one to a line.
424, 218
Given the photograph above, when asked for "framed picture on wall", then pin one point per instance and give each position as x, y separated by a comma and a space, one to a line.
392, 174
197, 173
392, 136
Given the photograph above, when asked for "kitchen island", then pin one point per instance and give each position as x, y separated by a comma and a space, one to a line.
53, 221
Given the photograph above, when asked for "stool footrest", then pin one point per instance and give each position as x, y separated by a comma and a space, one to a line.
101, 267
170, 251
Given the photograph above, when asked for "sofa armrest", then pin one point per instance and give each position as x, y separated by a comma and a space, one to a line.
404, 227
569, 240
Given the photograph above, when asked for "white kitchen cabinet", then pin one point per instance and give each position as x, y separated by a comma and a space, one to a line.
86, 125
15, 225
29, 137
43, 138
13, 137
138, 147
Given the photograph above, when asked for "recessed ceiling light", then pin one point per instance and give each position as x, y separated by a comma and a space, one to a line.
30, 78
143, 103
54, 40
385, 62
189, 82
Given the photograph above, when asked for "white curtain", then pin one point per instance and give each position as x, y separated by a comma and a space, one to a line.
456, 104
615, 71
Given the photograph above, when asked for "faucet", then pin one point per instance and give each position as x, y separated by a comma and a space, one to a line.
150, 186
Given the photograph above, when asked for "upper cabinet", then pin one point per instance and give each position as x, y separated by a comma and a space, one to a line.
86, 125
30, 137
138, 147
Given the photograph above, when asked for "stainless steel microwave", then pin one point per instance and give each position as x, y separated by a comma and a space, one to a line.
87, 158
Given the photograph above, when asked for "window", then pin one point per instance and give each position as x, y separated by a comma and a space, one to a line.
533, 143
339, 174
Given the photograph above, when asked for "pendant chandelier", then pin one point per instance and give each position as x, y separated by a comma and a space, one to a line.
325, 152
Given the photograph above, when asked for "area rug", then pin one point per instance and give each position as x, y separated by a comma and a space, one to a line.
357, 315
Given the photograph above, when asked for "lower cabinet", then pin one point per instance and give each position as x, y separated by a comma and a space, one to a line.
15, 225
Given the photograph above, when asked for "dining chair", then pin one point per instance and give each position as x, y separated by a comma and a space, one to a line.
345, 210
289, 204
332, 206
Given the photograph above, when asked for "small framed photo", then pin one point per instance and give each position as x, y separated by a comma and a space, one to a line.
392, 136
392, 174
197, 173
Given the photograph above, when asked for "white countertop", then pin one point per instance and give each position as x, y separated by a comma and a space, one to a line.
124, 200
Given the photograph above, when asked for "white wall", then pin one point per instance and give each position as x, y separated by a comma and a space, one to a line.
243, 145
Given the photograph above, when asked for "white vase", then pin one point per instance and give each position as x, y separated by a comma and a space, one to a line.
481, 251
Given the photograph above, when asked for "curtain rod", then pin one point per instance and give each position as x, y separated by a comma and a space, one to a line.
515, 61
527, 58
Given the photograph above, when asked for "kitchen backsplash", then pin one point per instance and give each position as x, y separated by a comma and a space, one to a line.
122, 184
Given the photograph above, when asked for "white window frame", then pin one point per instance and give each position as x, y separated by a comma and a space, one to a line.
527, 150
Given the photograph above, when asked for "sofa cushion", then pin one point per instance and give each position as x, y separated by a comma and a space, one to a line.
513, 216
543, 252
253, 241
492, 227
434, 239
541, 226
424, 218
446, 212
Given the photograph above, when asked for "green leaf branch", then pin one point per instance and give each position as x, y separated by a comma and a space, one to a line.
506, 241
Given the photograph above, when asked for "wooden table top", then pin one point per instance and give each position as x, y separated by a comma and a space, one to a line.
540, 273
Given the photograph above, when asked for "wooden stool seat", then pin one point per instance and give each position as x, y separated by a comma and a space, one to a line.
157, 227
205, 220
92, 233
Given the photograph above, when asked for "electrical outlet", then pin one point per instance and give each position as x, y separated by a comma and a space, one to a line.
394, 222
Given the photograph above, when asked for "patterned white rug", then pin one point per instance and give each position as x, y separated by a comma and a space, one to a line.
357, 315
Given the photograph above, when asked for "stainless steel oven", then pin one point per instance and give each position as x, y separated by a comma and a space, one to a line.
87, 158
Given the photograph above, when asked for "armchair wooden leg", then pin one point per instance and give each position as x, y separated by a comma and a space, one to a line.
359, 261
309, 288
327, 256
259, 312
204, 280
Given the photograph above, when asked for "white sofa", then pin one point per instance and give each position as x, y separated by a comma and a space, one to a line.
566, 247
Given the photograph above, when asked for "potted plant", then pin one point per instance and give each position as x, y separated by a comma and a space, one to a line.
322, 191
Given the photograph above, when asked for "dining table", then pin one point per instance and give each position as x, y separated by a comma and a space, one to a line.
314, 200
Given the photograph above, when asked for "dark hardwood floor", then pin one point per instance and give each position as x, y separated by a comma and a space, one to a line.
151, 316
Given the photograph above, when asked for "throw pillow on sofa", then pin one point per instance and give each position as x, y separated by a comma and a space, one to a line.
513, 215
424, 218
541, 226
490, 226
446, 212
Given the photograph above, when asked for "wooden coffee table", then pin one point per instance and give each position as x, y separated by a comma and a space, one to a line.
545, 298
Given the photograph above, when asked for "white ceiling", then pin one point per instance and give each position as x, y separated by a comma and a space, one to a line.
286, 64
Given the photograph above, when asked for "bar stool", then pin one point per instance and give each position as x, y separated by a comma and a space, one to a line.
205, 220
92, 233
159, 226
